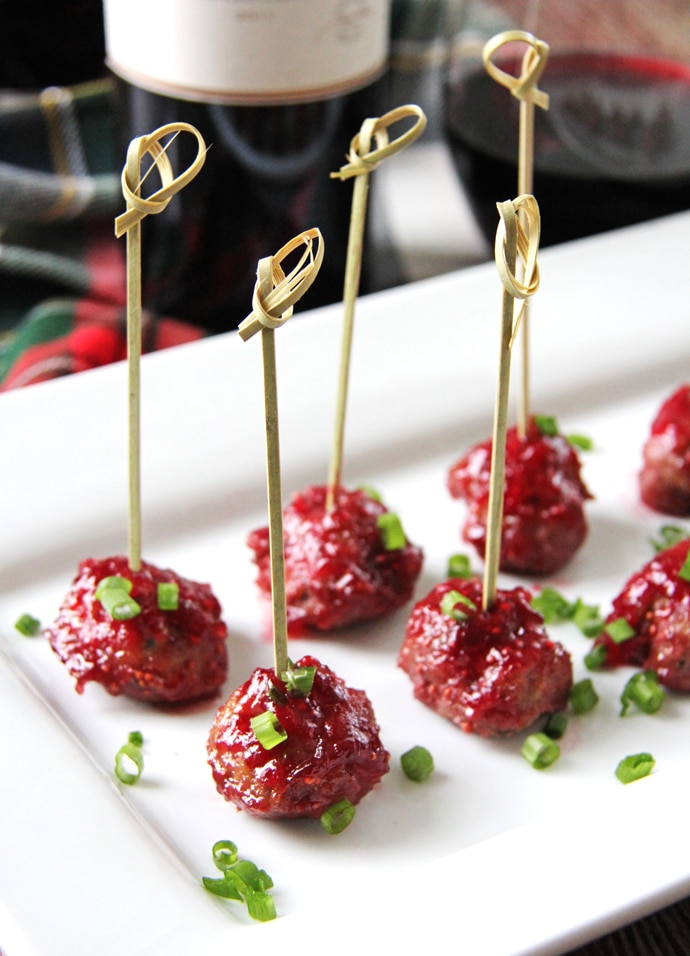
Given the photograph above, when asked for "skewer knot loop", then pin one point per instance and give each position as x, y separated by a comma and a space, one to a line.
523, 87
518, 236
362, 159
138, 207
276, 293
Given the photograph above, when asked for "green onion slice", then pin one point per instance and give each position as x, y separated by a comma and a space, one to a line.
371, 492
552, 606
299, 680
644, 691
268, 730
338, 816
136, 738
684, 572
547, 424
113, 581
450, 602
168, 595
596, 658
587, 618
27, 625
224, 854
242, 880
581, 442
391, 531
129, 763
669, 534
459, 566
417, 763
556, 725
583, 696
540, 751
619, 630
635, 767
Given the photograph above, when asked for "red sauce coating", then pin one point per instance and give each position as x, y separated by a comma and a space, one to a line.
665, 474
493, 673
337, 568
157, 656
655, 602
332, 752
543, 515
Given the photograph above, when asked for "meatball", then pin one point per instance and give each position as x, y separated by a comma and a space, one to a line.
543, 515
331, 751
665, 474
655, 604
338, 569
158, 656
491, 672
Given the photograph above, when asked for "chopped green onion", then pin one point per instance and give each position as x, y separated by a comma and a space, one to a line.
299, 680
635, 767
450, 602
540, 751
684, 572
242, 880
596, 657
129, 760
391, 531
371, 492
556, 725
417, 763
338, 816
114, 594
583, 442
552, 606
587, 618
619, 630
583, 696
168, 595
267, 730
644, 690
136, 737
546, 424
459, 566
670, 534
27, 625
113, 581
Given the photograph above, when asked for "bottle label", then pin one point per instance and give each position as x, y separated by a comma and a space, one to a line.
259, 52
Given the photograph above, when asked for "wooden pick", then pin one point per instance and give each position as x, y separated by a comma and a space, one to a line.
362, 162
275, 294
129, 222
523, 87
517, 236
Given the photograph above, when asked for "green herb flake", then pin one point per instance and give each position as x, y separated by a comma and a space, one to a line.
619, 630
581, 442
129, 760
596, 658
459, 566
338, 817
450, 605
417, 764
583, 696
547, 424
540, 751
644, 691
391, 531
635, 767
241, 881
684, 572
556, 725
669, 535
268, 730
27, 625
168, 595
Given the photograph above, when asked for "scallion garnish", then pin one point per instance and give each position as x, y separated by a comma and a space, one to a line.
587, 618
582, 442
168, 595
268, 730
546, 424
556, 724
540, 751
583, 696
555, 609
27, 625
459, 566
635, 767
114, 593
644, 691
684, 572
129, 760
391, 531
669, 534
619, 630
242, 880
338, 816
299, 680
417, 763
371, 492
450, 605
596, 657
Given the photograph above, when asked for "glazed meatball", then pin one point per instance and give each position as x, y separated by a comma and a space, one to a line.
665, 474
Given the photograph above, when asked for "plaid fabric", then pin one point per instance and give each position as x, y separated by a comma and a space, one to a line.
62, 271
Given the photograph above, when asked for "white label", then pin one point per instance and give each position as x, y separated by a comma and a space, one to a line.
248, 51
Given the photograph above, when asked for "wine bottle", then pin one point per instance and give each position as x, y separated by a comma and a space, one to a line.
277, 89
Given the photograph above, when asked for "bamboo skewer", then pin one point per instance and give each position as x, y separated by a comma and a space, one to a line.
517, 239
274, 297
362, 161
523, 87
129, 222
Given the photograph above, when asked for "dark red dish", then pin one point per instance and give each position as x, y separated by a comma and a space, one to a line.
491, 672
543, 510
338, 570
655, 603
158, 656
665, 474
332, 751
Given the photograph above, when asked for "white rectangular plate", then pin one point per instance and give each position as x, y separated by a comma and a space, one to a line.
498, 857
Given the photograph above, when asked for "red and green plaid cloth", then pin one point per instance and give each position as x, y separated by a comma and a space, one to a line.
62, 271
